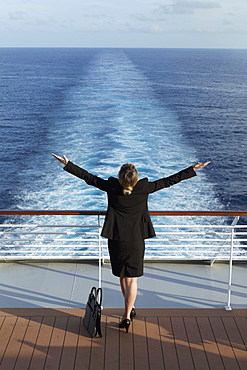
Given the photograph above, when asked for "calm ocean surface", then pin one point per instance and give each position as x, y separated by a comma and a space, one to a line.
162, 109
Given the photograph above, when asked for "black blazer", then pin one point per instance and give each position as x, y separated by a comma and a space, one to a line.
127, 216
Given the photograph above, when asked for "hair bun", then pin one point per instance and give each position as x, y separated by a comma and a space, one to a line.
127, 190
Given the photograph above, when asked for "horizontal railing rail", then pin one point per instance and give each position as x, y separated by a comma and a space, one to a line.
62, 235
102, 213
79, 238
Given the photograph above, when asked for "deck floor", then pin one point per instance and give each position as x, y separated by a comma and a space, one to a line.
164, 285
50, 338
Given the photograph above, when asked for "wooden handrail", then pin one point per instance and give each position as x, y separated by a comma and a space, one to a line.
52, 212
99, 213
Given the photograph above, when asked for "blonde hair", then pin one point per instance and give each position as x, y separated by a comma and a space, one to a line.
128, 177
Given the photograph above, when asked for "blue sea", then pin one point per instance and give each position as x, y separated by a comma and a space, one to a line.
161, 109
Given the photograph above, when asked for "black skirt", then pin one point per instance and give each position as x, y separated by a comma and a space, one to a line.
126, 257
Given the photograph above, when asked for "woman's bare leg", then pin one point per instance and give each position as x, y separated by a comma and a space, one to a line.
123, 285
130, 289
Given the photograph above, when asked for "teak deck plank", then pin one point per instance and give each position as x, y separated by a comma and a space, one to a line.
168, 344
112, 344
6, 332
126, 359
14, 344
28, 344
209, 343
225, 348
83, 350
155, 354
42, 344
97, 350
157, 339
182, 345
195, 343
235, 340
242, 327
140, 344
56, 343
70, 344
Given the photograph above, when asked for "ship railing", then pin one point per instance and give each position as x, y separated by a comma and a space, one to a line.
180, 235
76, 235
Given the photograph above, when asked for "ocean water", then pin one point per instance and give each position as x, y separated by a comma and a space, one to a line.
161, 109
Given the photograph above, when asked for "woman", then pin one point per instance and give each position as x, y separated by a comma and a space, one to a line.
127, 222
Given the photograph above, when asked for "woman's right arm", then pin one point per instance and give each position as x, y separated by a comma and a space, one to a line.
77, 171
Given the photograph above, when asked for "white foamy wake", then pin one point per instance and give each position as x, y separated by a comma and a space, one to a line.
111, 116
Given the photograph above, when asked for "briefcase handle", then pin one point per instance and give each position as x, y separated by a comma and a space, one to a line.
98, 296
93, 292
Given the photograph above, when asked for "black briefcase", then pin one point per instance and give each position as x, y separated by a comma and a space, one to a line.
92, 316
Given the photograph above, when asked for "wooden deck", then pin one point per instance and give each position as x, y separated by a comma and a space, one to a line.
158, 339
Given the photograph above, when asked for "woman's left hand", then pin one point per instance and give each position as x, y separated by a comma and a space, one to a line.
198, 165
62, 159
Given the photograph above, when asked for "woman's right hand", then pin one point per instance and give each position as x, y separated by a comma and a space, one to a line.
198, 165
62, 159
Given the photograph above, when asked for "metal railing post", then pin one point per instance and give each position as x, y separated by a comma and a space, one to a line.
234, 222
100, 252
228, 306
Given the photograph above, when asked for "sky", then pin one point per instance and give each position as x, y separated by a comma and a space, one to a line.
124, 23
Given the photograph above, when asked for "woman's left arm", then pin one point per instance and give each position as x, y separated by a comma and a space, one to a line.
166, 182
63, 159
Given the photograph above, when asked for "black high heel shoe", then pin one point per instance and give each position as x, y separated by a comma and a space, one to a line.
125, 324
132, 313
